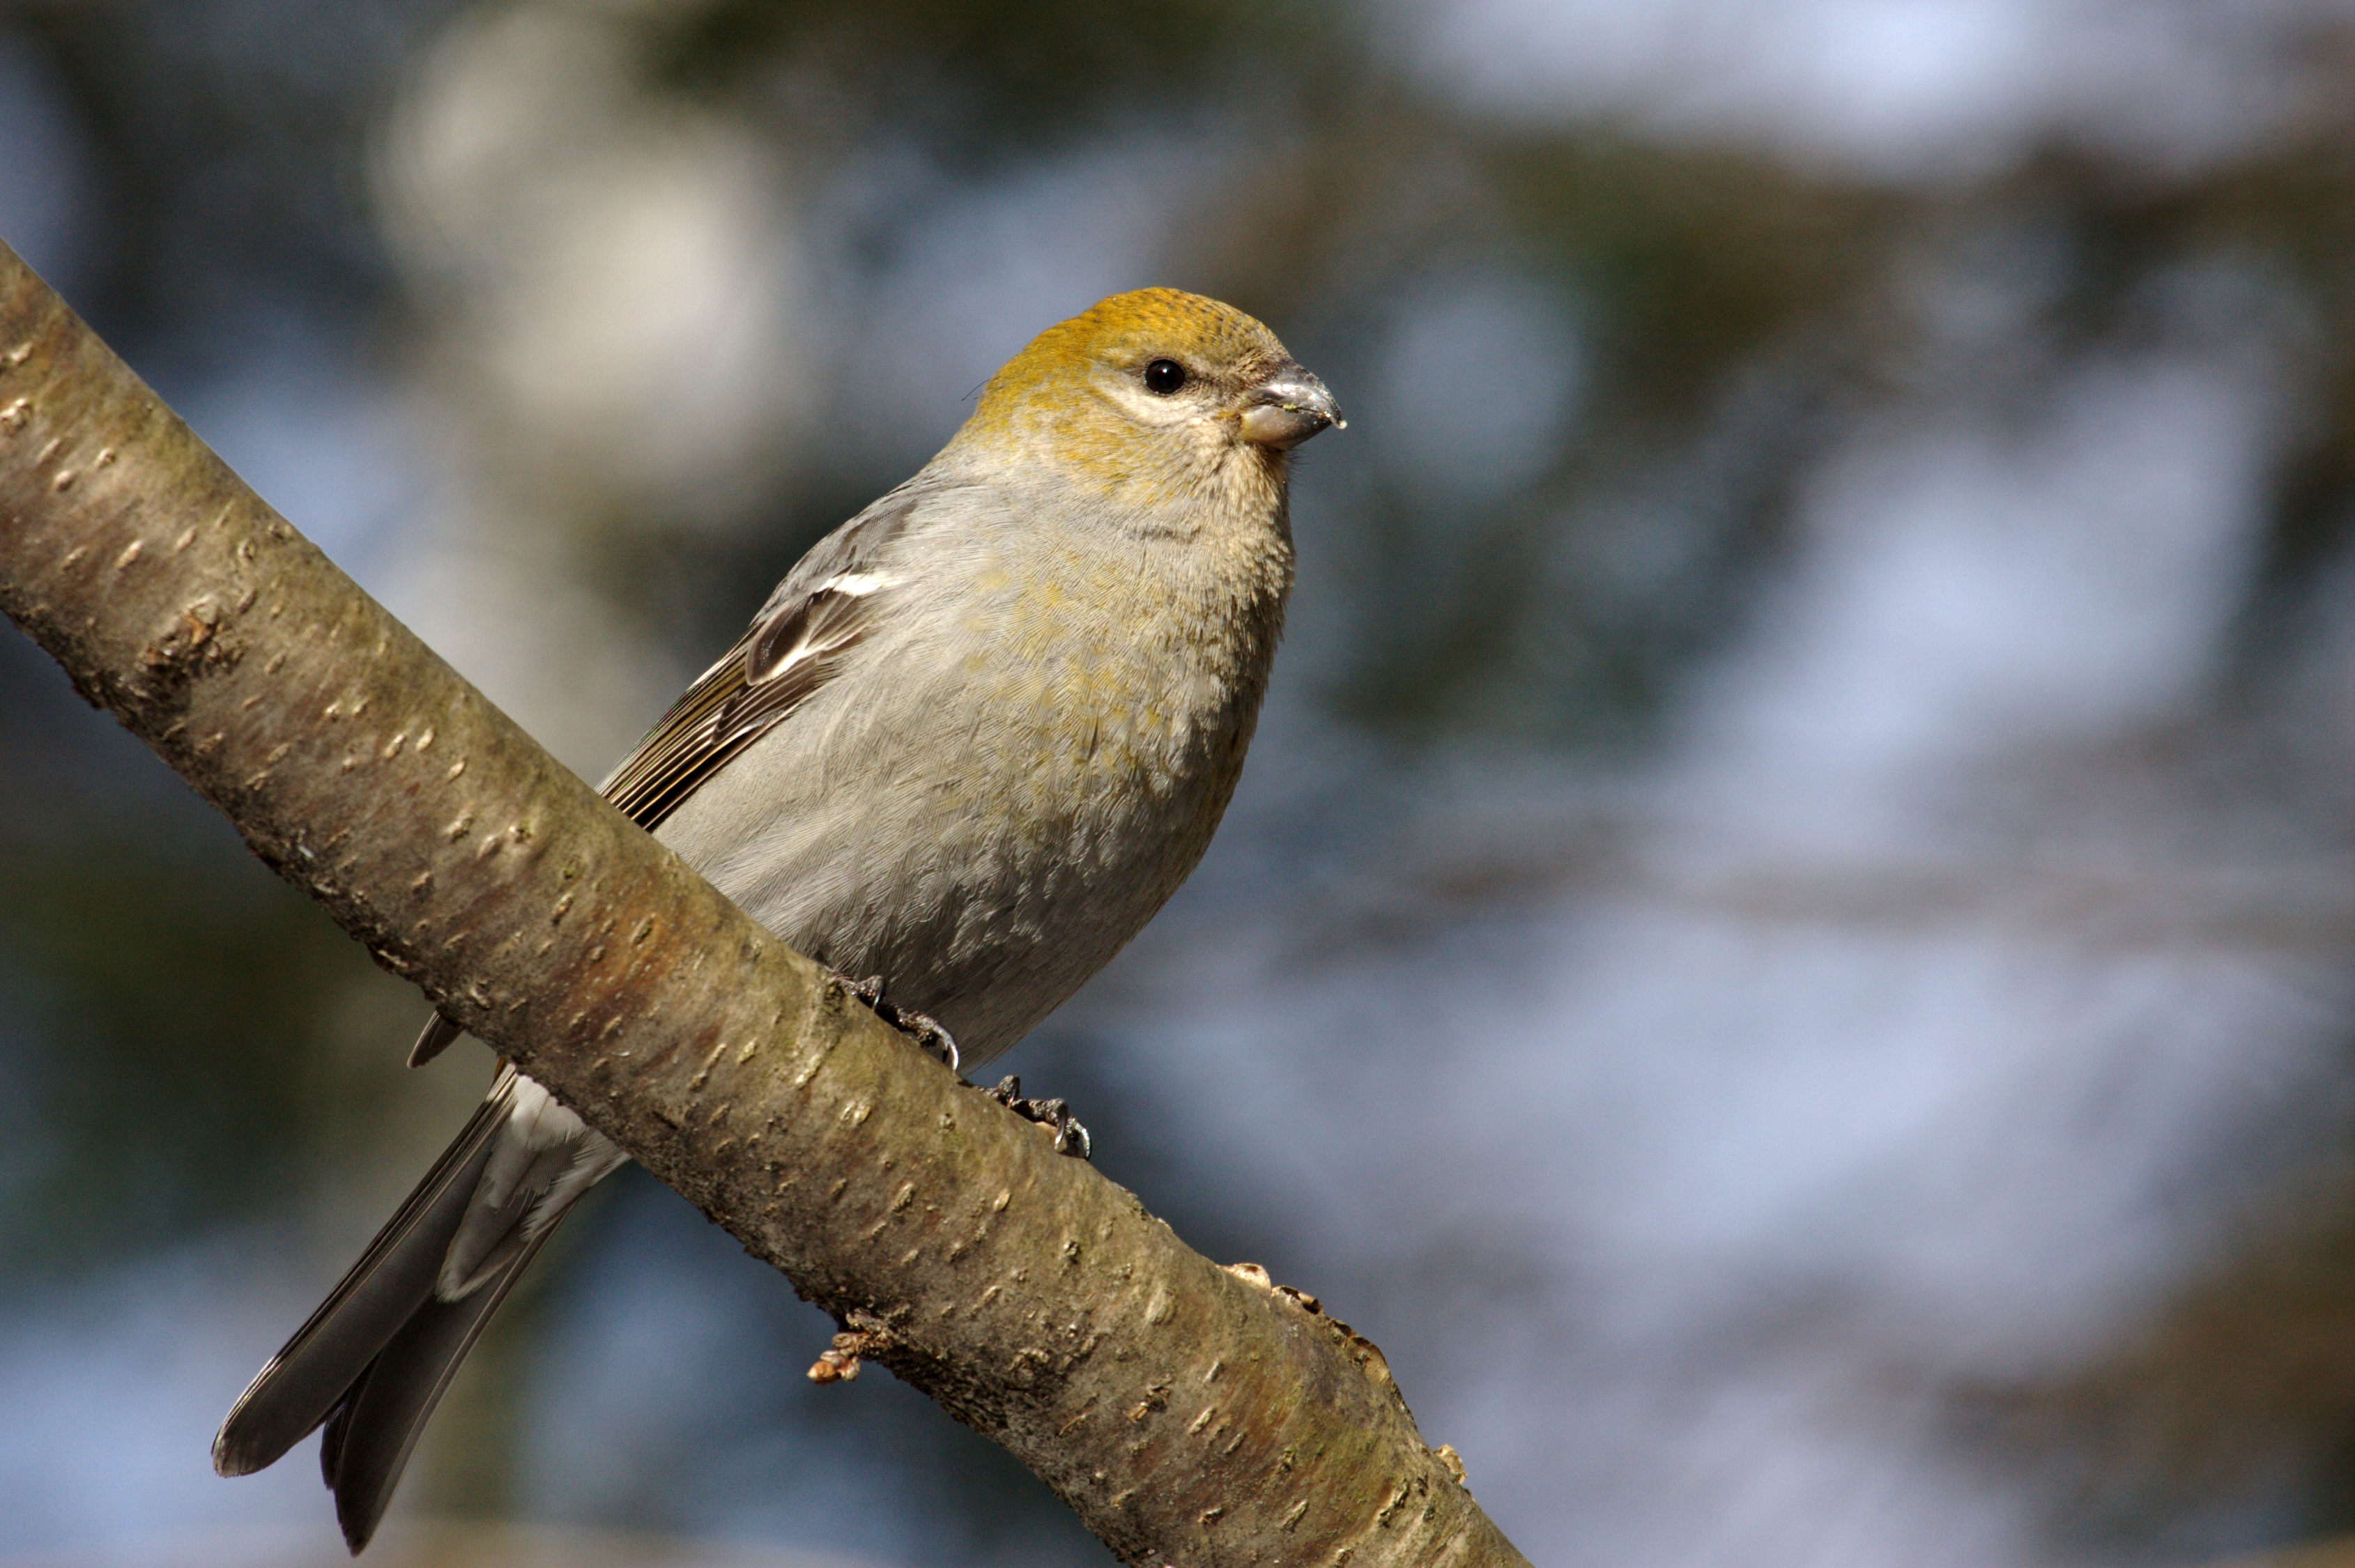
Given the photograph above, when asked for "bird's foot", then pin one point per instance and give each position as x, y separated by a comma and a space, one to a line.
936, 1041
1070, 1136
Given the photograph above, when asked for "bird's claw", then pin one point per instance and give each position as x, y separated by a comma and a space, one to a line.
1071, 1135
936, 1041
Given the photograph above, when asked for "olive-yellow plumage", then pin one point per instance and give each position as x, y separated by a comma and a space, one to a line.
972, 743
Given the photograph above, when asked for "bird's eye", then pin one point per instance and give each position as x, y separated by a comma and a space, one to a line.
1164, 376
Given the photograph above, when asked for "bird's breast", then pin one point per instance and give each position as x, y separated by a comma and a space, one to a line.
989, 805
1111, 724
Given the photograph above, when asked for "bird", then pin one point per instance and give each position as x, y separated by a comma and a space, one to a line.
970, 744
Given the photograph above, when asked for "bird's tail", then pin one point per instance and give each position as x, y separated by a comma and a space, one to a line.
375, 1358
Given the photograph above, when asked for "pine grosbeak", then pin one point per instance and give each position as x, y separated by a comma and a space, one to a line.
975, 738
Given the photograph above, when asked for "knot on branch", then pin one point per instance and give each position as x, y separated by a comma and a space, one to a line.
1452, 1462
172, 659
838, 1363
1362, 1350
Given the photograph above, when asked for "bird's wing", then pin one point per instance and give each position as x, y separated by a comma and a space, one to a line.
823, 608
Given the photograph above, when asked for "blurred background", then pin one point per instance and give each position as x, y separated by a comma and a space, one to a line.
1786, 947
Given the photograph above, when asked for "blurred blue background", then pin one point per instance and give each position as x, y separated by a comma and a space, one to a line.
1785, 950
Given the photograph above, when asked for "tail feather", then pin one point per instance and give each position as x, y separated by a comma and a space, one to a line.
374, 1360
294, 1392
439, 1034
374, 1429
523, 1190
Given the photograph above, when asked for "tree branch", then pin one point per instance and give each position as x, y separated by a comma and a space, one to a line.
1189, 1413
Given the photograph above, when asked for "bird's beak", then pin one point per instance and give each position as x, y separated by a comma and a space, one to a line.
1288, 408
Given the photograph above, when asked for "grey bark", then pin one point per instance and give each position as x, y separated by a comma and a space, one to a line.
1190, 1414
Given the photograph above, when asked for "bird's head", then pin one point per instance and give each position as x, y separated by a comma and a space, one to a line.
1152, 389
